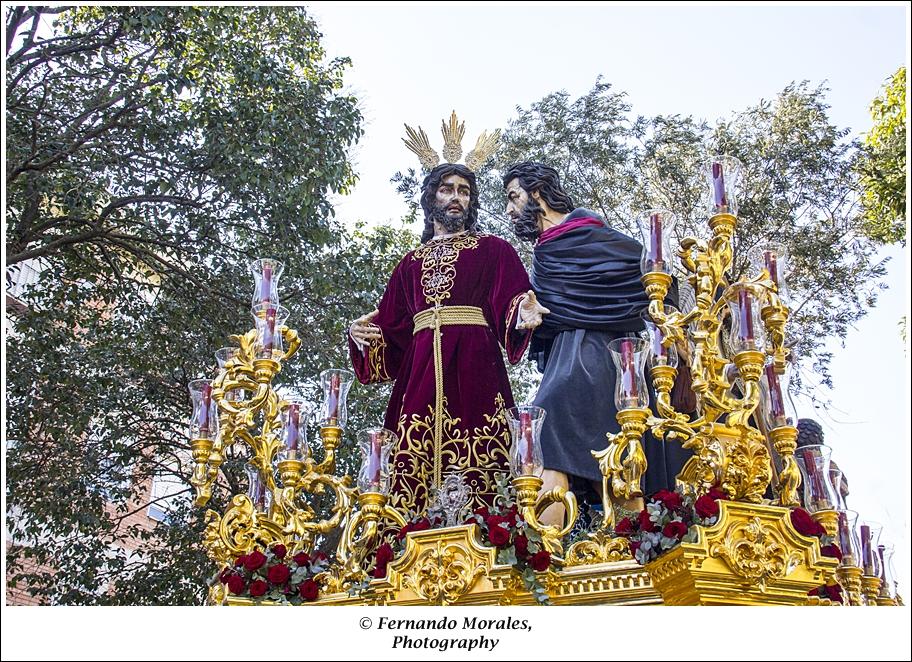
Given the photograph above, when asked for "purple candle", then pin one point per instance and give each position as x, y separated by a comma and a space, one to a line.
818, 493
269, 332
266, 284
658, 349
655, 241
777, 404
333, 408
719, 198
373, 460
205, 403
525, 427
628, 373
866, 555
746, 327
291, 427
769, 257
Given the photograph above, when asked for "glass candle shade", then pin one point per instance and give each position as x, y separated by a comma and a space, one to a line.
629, 357
335, 384
525, 423
656, 226
266, 272
375, 445
814, 464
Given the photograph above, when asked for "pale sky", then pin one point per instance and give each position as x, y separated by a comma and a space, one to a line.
415, 63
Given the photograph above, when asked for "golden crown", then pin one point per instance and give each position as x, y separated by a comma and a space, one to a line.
453, 133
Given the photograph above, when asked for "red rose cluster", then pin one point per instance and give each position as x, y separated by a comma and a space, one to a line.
665, 520
271, 574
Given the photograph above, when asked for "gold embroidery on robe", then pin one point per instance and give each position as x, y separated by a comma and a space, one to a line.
376, 361
482, 452
438, 265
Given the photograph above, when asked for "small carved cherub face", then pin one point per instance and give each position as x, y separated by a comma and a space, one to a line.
453, 195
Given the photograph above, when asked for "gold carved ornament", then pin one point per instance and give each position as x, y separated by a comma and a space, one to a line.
254, 422
728, 450
416, 141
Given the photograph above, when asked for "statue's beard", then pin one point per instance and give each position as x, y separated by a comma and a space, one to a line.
526, 226
450, 222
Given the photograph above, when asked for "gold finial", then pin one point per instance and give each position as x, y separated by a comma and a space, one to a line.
453, 133
417, 142
484, 147
452, 138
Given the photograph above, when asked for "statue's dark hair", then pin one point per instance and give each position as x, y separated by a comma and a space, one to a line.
544, 179
429, 192
809, 432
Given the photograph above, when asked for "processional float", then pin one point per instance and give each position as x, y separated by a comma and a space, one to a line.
733, 532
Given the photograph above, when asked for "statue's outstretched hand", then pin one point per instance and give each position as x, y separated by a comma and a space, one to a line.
530, 312
362, 331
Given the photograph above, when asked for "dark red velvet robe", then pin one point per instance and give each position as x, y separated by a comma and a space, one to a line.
462, 270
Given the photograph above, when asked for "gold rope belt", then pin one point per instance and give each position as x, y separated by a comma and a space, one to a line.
434, 318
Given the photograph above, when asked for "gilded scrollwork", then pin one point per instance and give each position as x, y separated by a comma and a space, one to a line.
478, 454
756, 551
598, 547
444, 573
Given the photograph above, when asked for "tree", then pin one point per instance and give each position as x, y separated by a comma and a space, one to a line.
152, 152
883, 164
799, 189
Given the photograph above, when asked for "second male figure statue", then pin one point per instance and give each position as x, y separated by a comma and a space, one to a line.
588, 276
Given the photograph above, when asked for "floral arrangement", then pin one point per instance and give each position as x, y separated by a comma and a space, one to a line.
272, 576
667, 520
808, 526
502, 527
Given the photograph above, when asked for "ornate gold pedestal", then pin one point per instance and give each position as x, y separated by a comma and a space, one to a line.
870, 586
850, 578
751, 556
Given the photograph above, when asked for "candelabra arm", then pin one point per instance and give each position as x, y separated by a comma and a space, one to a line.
532, 504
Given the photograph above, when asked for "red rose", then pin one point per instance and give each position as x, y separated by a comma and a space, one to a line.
834, 593
647, 524
279, 551
278, 574
540, 561
319, 556
706, 507
422, 525
236, 584
832, 551
255, 560
301, 558
512, 514
225, 574
482, 512
309, 590
805, 524
718, 493
521, 543
258, 588
239, 561
498, 536
495, 521
624, 527
384, 556
671, 500
675, 530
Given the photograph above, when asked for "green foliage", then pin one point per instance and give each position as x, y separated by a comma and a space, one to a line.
883, 164
152, 152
